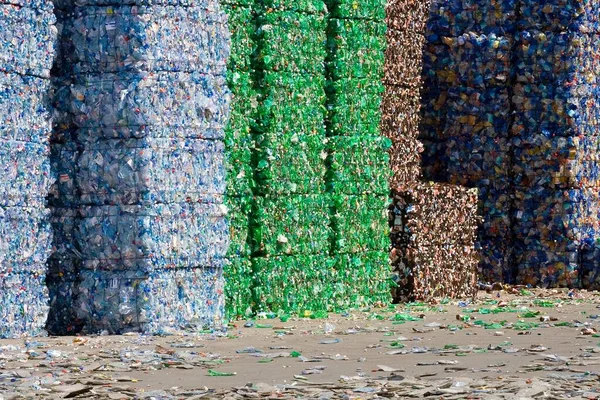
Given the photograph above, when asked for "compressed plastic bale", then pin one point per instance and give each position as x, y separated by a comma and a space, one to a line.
132, 105
589, 267
293, 164
207, 4
430, 214
358, 165
434, 272
292, 104
355, 107
294, 283
25, 239
134, 38
455, 17
407, 15
405, 162
290, 225
25, 177
362, 280
433, 113
24, 109
356, 48
65, 260
24, 304
404, 58
541, 267
244, 102
28, 36
496, 208
557, 101
353, 9
151, 171
238, 212
530, 124
359, 223
496, 259
163, 301
239, 169
481, 61
239, 281
291, 42
559, 15
556, 162
299, 6
241, 25
400, 112
148, 237
476, 113
35, 4
556, 58
557, 218
62, 320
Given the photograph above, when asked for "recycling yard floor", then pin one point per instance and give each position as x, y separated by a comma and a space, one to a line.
533, 344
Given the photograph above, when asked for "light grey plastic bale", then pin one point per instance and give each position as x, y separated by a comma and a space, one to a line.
25, 177
23, 304
24, 108
147, 237
70, 4
27, 39
25, 238
168, 104
133, 38
159, 302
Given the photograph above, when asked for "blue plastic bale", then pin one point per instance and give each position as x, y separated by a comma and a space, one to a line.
559, 15
156, 302
70, 4
133, 38
28, 38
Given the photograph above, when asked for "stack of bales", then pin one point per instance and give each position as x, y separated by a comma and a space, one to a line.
27, 39
140, 223
556, 143
467, 115
433, 226
358, 159
290, 228
238, 146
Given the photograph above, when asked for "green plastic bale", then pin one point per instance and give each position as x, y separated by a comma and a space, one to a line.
356, 48
292, 42
290, 164
360, 223
294, 284
244, 102
242, 29
238, 164
290, 225
354, 106
238, 288
299, 6
238, 219
242, 3
362, 279
293, 104
358, 164
357, 9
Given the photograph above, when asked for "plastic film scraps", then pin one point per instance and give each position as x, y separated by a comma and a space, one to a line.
356, 48
290, 164
358, 165
353, 9
559, 15
163, 301
299, 6
360, 223
151, 237
28, 36
133, 38
454, 17
355, 107
292, 104
404, 59
24, 303
407, 15
241, 26
290, 225
151, 171
132, 105
291, 42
